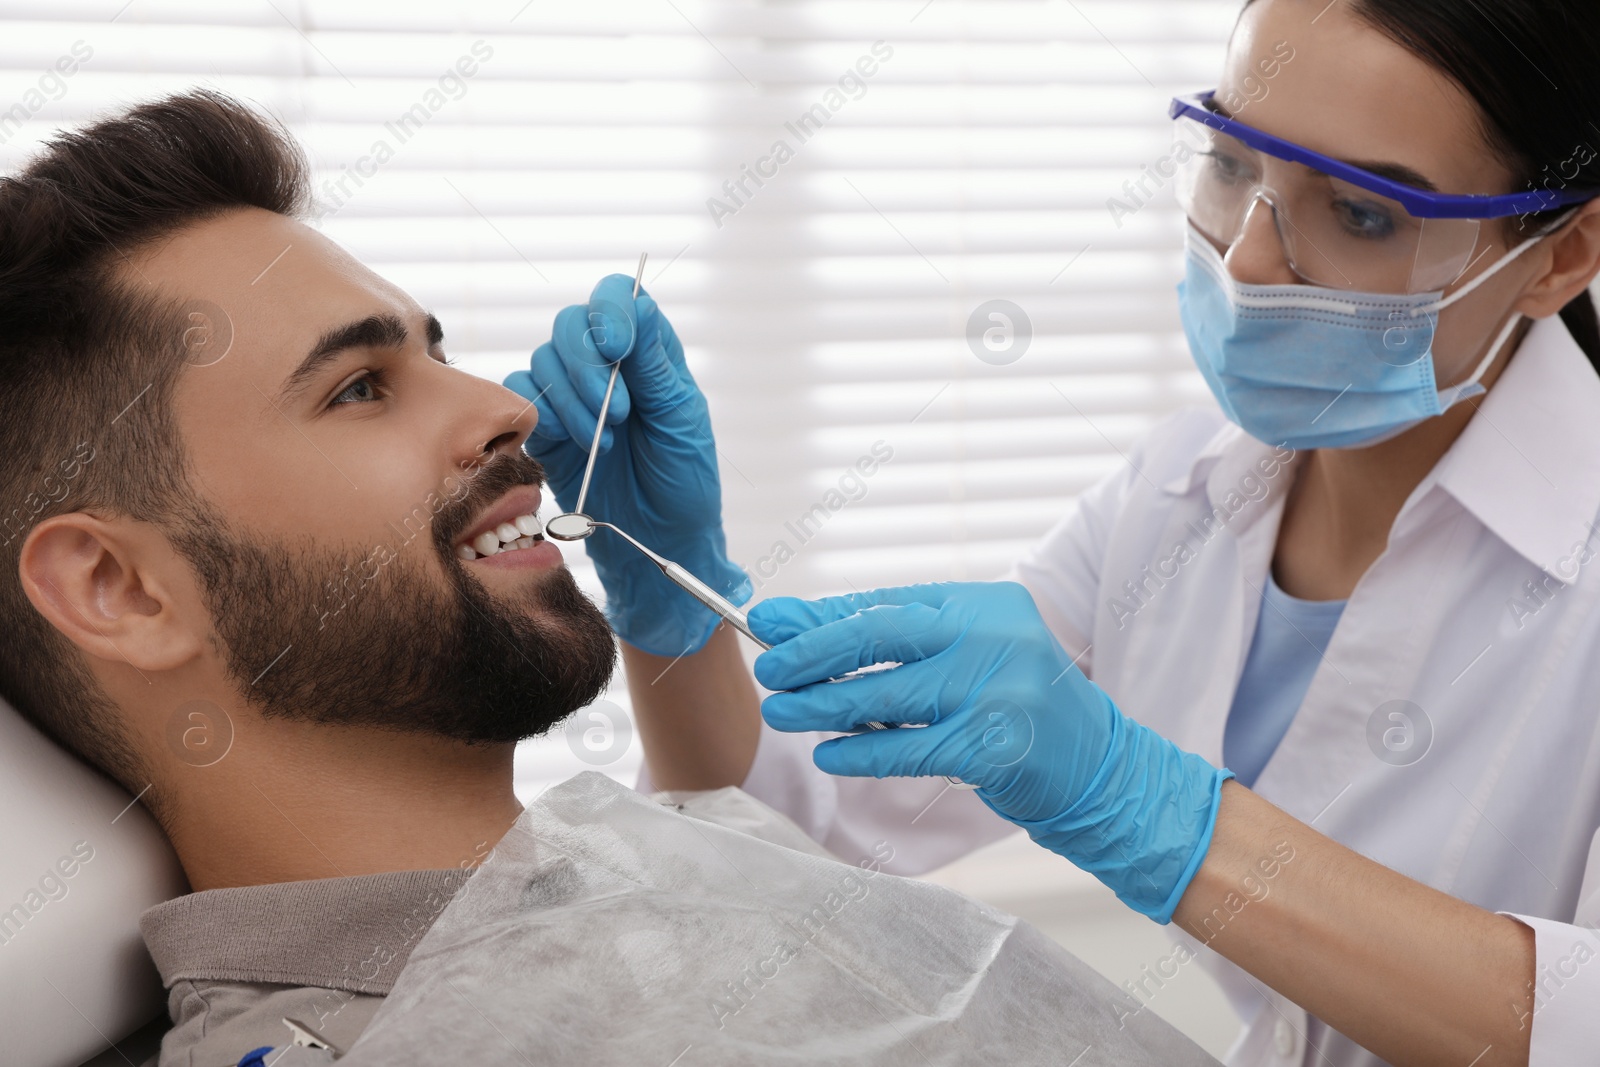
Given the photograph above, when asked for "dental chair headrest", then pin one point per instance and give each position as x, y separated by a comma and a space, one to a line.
77, 867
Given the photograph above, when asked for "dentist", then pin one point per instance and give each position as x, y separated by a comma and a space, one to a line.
1362, 587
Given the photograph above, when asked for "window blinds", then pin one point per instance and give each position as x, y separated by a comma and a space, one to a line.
885, 229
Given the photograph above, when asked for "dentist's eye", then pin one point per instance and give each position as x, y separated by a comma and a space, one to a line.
1228, 169
1369, 222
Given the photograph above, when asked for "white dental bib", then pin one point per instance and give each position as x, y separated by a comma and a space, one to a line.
607, 928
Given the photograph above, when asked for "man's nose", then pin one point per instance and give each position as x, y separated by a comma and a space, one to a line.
502, 420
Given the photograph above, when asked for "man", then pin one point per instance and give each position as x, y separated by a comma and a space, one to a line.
273, 566
257, 537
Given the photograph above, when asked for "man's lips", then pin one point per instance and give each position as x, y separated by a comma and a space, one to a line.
533, 553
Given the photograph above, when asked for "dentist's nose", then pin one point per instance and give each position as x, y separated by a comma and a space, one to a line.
1257, 256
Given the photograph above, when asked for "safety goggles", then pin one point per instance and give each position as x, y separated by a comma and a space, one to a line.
1342, 227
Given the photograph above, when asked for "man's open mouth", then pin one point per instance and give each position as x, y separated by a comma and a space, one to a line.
523, 531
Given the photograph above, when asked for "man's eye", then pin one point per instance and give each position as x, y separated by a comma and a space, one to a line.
369, 381
372, 385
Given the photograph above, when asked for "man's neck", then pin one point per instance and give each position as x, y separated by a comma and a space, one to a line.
291, 802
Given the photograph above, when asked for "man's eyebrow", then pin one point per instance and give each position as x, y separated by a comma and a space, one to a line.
374, 331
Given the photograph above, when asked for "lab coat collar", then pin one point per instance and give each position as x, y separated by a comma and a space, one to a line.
1227, 437
1235, 467
1528, 464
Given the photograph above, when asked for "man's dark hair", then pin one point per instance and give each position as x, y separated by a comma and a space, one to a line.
88, 363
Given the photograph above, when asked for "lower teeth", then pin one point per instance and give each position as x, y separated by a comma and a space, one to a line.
512, 546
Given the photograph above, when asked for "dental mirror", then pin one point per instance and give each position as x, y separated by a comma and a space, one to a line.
574, 525
569, 527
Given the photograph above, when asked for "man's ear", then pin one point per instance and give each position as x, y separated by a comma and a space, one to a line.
105, 586
1574, 262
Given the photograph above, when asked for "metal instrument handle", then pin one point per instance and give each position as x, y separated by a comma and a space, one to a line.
605, 404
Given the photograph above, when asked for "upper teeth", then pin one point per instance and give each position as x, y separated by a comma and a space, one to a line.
521, 532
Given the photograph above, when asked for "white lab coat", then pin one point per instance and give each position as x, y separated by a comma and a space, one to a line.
1483, 613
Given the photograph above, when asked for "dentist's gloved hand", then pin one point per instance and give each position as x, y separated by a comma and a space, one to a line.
656, 476
1004, 709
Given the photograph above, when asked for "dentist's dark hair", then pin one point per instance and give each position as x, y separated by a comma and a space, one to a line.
90, 355
1530, 65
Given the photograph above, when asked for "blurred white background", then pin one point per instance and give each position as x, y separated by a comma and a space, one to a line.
498, 158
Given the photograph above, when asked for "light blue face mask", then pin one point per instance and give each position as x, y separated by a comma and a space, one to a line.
1309, 367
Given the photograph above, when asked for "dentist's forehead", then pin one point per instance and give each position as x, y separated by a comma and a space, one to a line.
1352, 92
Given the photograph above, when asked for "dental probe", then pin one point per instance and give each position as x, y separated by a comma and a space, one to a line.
605, 404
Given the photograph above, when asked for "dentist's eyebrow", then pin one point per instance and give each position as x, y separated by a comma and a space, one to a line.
1398, 172
374, 331
1395, 172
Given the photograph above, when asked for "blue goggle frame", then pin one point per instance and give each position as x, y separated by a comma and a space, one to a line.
1419, 202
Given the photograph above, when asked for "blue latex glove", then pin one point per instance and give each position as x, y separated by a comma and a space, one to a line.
1005, 710
656, 476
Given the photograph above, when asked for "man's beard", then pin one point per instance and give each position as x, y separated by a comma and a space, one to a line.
308, 636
